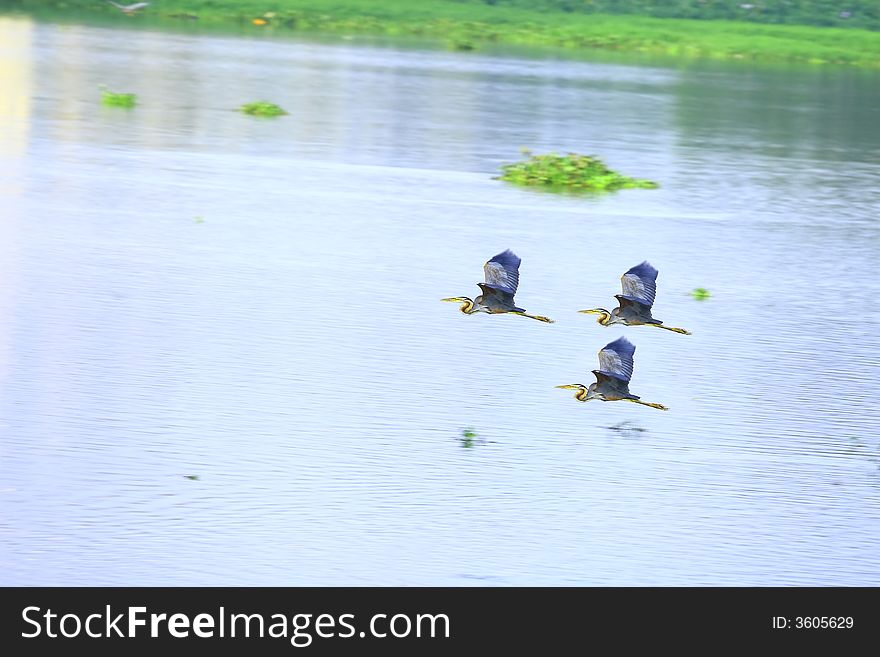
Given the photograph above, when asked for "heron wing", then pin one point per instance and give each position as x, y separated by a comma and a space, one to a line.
616, 359
640, 284
502, 272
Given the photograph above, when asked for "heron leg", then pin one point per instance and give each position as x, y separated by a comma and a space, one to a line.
639, 401
540, 318
672, 328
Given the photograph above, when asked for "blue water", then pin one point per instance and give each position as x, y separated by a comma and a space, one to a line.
186, 291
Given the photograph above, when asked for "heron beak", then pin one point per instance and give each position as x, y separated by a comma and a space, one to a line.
454, 299
591, 312
569, 386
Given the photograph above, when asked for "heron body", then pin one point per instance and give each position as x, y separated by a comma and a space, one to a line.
612, 377
498, 290
639, 285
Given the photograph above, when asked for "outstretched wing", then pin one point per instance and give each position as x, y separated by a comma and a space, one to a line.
616, 359
502, 272
640, 284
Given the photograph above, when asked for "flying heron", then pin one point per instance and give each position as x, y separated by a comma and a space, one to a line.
612, 377
129, 9
639, 288
502, 279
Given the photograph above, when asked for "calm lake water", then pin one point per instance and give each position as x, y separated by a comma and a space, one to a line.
186, 291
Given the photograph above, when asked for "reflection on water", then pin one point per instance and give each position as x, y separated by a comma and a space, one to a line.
225, 360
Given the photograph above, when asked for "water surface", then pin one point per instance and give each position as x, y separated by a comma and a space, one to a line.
188, 291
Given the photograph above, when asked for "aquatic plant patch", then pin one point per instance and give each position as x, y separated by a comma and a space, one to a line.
571, 171
112, 99
262, 108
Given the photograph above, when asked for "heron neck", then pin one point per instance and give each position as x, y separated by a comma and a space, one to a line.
607, 318
468, 307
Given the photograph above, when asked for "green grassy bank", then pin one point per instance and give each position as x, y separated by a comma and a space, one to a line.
466, 26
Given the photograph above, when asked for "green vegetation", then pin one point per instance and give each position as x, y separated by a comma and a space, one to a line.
572, 171
469, 24
461, 44
262, 108
111, 99
468, 436
864, 14
700, 293
192, 477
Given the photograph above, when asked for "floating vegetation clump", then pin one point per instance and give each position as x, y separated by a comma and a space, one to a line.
111, 99
191, 477
262, 108
468, 437
572, 171
700, 293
